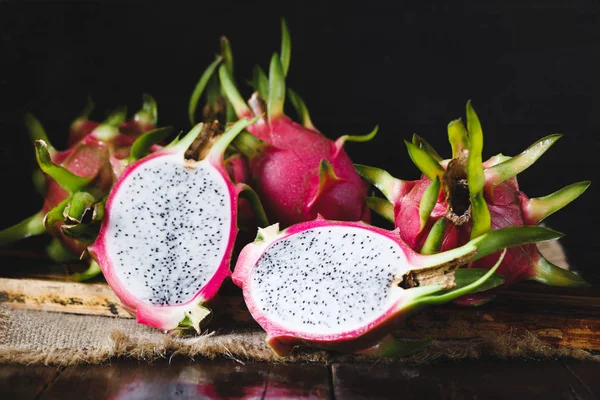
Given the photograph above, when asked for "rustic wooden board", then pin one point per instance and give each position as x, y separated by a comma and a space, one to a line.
558, 316
472, 380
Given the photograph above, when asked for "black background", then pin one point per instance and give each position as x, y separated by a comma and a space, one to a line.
531, 68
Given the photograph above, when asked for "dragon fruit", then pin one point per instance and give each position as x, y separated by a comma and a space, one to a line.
76, 181
343, 285
296, 170
168, 231
462, 198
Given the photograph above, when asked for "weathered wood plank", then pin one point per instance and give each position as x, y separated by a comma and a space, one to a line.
588, 373
473, 380
558, 316
24, 382
71, 297
217, 379
298, 381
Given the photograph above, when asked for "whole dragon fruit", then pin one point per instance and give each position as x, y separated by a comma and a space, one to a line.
344, 285
76, 181
297, 171
462, 198
169, 228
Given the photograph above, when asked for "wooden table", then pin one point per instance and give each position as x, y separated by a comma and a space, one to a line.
225, 379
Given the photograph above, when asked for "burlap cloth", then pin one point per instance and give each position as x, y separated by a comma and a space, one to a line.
37, 337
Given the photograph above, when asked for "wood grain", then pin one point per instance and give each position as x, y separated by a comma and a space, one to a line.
473, 380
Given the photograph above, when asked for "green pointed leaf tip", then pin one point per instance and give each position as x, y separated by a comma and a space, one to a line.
36, 130
475, 175
286, 47
435, 238
511, 236
87, 109
381, 206
276, 88
540, 208
381, 179
149, 110
232, 93
357, 138
199, 89
423, 144
260, 82
221, 144
458, 137
301, 109
116, 117
226, 53
515, 165
62, 176
424, 161
428, 201
549, 274
141, 146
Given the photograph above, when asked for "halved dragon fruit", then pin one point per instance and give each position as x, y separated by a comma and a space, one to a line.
297, 171
462, 198
76, 181
169, 229
344, 285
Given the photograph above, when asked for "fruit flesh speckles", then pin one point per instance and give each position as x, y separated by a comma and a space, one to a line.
315, 280
178, 221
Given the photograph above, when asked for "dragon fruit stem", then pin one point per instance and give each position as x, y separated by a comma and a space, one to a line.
428, 201
539, 208
515, 165
458, 137
231, 92
80, 203
251, 196
435, 238
276, 99
286, 47
31, 226
381, 206
301, 109
424, 145
460, 290
68, 180
424, 161
199, 89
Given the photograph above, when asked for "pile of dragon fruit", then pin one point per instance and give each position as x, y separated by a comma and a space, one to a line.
159, 216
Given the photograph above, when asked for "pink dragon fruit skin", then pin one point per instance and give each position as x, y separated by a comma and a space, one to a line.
296, 170
503, 205
168, 213
98, 152
297, 185
344, 285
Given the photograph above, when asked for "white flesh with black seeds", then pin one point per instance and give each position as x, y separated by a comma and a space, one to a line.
326, 280
169, 228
